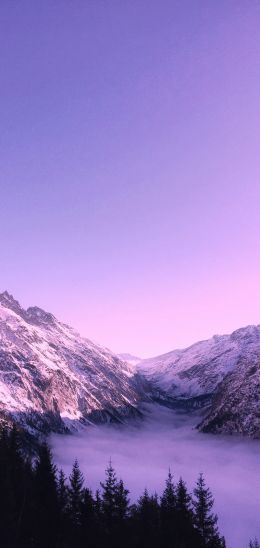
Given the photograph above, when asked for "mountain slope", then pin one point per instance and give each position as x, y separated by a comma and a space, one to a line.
236, 403
221, 373
51, 379
129, 358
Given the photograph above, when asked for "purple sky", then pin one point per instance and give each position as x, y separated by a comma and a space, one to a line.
129, 168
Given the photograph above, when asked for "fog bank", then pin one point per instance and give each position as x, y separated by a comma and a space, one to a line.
143, 452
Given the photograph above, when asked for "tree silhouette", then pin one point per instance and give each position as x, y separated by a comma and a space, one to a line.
205, 521
39, 508
147, 516
45, 514
254, 544
76, 492
108, 497
168, 511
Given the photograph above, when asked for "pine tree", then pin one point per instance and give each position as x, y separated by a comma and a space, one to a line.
121, 501
6, 522
38, 510
45, 500
147, 517
112, 502
63, 504
20, 488
185, 534
183, 500
11, 487
88, 519
62, 492
122, 510
168, 498
109, 490
205, 521
254, 544
168, 511
75, 505
99, 522
98, 504
75, 494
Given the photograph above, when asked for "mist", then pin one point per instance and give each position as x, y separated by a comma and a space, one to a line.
142, 453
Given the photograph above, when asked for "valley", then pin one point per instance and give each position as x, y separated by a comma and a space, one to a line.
143, 453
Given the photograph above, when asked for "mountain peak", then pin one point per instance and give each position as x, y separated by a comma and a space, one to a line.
8, 301
39, 315
54, 380
5, 296
33, 314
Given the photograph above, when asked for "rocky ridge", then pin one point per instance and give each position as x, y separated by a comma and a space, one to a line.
221, 375
52, 379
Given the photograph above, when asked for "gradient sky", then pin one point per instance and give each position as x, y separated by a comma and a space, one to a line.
130, 166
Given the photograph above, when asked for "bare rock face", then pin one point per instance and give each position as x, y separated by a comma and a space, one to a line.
236, 404
52, 379
220, 375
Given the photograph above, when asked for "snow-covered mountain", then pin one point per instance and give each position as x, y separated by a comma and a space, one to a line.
52, 379
221, 374
129, 358
236, 402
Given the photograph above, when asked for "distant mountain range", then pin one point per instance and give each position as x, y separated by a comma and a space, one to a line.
221, 375
54, 380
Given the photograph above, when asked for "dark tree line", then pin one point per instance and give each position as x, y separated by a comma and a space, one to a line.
40, 508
